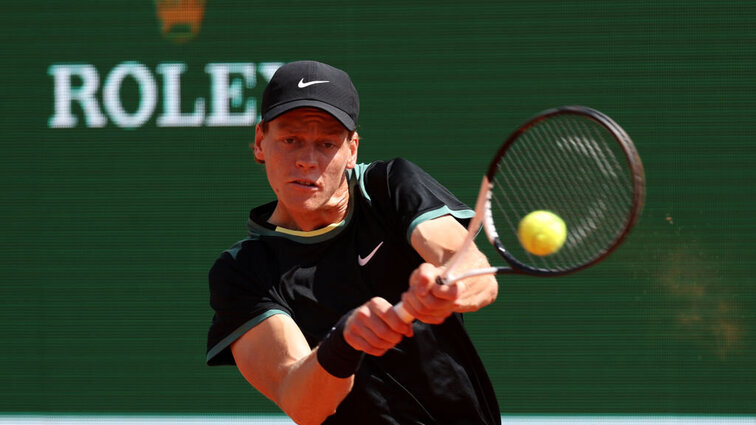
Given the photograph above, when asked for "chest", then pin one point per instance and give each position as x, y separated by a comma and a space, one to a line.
322, 281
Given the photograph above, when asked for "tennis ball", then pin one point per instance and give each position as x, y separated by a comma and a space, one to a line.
542, 232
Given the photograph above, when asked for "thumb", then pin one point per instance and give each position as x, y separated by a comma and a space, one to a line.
451, 291
423, 278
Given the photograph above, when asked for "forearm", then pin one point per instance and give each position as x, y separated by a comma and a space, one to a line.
274, 357
478, 291
437, 241
309, 394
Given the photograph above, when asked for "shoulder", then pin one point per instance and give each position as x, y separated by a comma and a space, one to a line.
402, 165
381, 175
391, 166
241, 247
396, 168
240, 265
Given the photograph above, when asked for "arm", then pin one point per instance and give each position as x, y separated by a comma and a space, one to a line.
275, 358
436, 241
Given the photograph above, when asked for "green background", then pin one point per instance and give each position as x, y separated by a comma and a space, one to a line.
108, 233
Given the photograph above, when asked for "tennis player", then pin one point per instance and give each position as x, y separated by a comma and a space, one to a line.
303, 305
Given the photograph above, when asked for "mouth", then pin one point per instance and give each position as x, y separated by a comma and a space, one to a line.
304, 183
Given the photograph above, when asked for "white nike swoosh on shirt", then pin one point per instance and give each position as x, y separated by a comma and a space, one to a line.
302, 84
362, 261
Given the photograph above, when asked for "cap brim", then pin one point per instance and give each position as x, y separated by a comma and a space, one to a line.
337, 113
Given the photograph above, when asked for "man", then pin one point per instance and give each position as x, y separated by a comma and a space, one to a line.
303, 305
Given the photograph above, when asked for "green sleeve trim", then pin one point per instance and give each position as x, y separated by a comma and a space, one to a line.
359, 173
241, 330
430, 215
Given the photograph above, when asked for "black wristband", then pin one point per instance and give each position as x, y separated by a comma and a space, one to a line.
335, 355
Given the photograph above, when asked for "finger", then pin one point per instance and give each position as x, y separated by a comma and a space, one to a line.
386, 312
376, 325
423, 278
360, 343
375, 330
430, 302
423, 312
362, 337
433, 318
395, 322
450, 292
422, 305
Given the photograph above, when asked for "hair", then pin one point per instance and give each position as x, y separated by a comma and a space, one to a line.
264, 125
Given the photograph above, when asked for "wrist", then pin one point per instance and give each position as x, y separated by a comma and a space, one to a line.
335, 355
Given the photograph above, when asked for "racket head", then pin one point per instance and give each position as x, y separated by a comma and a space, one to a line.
579, 164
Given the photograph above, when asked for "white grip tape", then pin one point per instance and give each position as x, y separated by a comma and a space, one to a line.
402, 313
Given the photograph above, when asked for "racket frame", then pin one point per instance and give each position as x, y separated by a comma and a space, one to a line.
638, 190
484, 218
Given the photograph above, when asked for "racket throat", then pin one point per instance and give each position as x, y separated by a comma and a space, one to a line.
482, 215
472, 273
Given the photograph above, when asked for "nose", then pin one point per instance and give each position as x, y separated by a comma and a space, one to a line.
307, 157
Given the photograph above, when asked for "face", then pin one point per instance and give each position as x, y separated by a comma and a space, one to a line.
306, 153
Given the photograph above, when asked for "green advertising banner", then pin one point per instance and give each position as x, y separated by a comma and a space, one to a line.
126, 170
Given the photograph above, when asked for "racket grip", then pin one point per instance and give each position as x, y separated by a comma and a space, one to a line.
403, 313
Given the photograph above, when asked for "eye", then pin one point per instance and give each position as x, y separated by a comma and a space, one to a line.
329, 144
289, 140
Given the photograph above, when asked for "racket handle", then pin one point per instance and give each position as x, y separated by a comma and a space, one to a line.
403, 313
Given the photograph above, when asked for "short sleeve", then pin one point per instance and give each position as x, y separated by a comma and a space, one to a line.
240, 302
412, 195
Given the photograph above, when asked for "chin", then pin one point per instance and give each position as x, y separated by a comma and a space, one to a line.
303, 203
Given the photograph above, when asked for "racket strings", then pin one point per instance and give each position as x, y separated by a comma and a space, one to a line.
554, 195
575, 167
557, 195
617, 182
527, 188
606, 181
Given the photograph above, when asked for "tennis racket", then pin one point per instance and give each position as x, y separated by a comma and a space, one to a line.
572, 161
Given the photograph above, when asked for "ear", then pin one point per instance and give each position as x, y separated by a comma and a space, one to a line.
354, 143
257, 145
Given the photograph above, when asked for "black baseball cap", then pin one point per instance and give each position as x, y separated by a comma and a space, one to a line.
312, 84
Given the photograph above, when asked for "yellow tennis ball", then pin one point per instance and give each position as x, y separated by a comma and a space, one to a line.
542, 232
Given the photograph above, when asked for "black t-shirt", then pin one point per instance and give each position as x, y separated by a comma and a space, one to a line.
435, 377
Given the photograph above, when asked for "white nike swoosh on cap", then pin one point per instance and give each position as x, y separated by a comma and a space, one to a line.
362, 261
302, 83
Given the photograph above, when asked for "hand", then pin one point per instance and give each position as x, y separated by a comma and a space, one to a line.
374, 327
428, 301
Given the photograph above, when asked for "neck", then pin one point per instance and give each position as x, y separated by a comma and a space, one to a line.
304, 220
